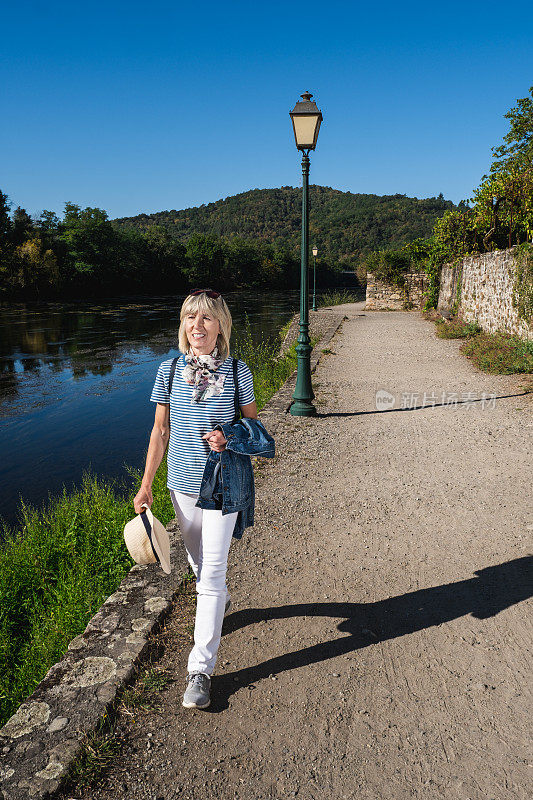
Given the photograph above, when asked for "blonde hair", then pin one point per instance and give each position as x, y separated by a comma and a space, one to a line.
214, 307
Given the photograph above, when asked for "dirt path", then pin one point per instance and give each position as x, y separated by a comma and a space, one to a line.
379, 646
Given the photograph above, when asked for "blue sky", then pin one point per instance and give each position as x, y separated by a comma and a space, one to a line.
140, 107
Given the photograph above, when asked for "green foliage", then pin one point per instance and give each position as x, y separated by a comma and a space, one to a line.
84, 254
389, 266
345, 226
500, 353
337, 298
33, 267
22, 227
454, 236
269, 370
504, 200
250, 240
504, 207
6, 244
392, 265
523, 285
457, 329
55, 573
517, 147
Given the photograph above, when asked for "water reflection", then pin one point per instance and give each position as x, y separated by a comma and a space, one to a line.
75, 382
90, 340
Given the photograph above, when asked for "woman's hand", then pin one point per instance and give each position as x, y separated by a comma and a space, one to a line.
216, 440
144, 495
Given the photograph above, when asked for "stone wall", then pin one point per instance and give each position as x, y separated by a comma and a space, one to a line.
480, 289
383, 296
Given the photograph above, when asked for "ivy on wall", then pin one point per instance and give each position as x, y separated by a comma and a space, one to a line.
523, 283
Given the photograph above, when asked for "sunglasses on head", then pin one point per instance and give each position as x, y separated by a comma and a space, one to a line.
209, 292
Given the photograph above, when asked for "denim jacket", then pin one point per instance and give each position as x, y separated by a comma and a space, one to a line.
228, 476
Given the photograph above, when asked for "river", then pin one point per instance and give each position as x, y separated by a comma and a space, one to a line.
75, 383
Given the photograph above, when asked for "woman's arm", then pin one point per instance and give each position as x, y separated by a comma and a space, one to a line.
156, 450
249, 410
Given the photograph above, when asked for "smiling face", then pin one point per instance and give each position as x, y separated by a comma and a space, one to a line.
202, 319
202, 330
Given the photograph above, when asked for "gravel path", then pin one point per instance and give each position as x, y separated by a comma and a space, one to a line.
379, 646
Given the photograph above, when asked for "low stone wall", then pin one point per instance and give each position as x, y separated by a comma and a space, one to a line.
41, 740
319, 324
416, 287
480, 289
381, 296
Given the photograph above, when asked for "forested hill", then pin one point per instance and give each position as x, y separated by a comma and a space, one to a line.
343, 225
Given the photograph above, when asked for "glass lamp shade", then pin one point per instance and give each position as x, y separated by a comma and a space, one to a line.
315, 251
306, 119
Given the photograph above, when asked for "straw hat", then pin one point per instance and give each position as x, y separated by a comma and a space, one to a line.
147, 540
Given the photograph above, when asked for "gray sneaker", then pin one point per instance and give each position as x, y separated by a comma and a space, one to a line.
197, 691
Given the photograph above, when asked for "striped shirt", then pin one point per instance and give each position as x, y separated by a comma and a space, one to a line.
187, 451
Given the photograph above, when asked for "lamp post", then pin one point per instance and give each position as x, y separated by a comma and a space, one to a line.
315, 253
306, 119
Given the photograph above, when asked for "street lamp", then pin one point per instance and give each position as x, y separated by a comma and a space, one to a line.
306, 119
315, 253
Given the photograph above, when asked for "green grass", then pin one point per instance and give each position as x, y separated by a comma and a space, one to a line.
68, 556
457, 329
284, 331
269, 371
142, 695
100, 747
98, 751
337, 298
500, 353
57, 570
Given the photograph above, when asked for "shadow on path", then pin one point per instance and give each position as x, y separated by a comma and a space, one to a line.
494, 589
427, 407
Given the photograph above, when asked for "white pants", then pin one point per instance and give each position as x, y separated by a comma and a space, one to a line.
207, 537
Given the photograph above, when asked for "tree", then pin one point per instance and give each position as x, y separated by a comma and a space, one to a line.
164, 258
96, 255
33, 268
517, 149
22, 228
503, 201
48, 223
6, 244
205, 260
5, 221
242, 264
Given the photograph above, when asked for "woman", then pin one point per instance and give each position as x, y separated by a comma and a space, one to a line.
203, 396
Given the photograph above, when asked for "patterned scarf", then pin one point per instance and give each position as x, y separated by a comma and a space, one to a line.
200, 373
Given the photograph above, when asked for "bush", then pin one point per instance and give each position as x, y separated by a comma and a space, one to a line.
389, 266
